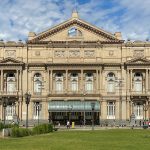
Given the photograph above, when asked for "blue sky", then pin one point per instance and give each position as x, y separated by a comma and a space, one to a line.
18, 17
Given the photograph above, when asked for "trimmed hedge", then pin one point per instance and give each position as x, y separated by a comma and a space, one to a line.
40, 129
20, 132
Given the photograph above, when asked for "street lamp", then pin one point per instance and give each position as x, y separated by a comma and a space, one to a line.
38, 107
145, 108
93, 108
70, 107
27, 100
5, 102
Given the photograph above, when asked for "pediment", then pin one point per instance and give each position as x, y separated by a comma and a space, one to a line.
59, 32
138, 61
10, 60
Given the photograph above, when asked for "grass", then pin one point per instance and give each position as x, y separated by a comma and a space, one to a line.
119, 139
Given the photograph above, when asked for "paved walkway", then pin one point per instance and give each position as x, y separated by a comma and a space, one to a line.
62, 128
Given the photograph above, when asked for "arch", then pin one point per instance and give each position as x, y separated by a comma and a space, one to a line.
37, 83
138, 82
59, 82
110, 82
89, 82
74, 81
10, 82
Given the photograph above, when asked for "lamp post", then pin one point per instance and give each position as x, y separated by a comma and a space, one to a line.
5, 102
27, 100
145, 108
93, 108
70, 107
39, 106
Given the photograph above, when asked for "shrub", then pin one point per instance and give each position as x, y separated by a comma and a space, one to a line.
42, 128
20, 132
2, 126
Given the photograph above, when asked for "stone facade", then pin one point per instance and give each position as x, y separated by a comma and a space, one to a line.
70, 66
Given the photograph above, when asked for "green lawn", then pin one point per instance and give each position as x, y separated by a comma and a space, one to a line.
118, 139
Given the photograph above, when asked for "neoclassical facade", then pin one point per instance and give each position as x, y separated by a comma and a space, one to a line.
70, 66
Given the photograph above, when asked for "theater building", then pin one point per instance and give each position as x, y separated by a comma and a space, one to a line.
70, 66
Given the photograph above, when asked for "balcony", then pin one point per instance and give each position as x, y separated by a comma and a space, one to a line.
74, 93
9, 93
139, 93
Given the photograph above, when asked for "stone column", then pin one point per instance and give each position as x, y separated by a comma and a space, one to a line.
20, 82
17, 75
51, 81
146, 90
127, 81
48, 82
2, 80
97, 81
81, 85
131, 80
66, 86
100, 77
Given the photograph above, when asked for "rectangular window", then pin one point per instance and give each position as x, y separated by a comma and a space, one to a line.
37, 110
59, 86
138, 111
110, 110
89, 86
74, 86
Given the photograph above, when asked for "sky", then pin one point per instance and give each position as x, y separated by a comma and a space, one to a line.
19, 17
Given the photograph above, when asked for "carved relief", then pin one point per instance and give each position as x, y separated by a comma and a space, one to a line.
74, 53
89, 53
59, 53
10, 53
138, 53
37, 53
111, 53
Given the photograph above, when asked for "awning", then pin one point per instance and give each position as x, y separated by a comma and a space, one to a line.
73, 106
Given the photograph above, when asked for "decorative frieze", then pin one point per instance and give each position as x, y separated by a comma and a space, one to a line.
74, 53
59, 53
10, 53
89, 53
138, 53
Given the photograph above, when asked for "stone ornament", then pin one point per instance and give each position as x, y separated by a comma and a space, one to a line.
37, 53
111, 53
59, 53
10, 53
138, 53
89, 53
74, 53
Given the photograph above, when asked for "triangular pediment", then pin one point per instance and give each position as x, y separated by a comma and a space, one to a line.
10, 60
138, 61
59, 32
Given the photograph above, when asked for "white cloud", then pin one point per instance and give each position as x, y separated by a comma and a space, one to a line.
18, 17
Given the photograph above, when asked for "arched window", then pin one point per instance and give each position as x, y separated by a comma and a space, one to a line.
10, 82
138, 82
59, 82
37, 83
74, 82
111, 82
74, 32
89, 82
